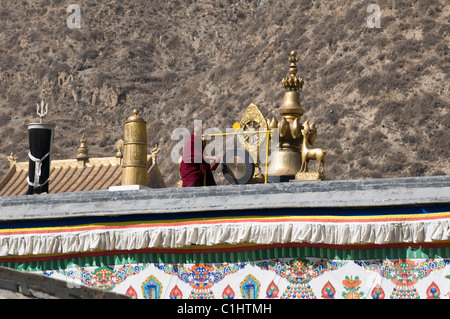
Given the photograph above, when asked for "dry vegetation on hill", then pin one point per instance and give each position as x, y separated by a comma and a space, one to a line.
380, 97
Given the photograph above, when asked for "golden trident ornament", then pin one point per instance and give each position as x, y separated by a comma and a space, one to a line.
40, 110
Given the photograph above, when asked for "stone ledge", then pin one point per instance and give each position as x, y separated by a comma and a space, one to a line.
315, 194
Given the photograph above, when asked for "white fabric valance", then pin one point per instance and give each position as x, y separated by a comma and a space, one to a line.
133, 237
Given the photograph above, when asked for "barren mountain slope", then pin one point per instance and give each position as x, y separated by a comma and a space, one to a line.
379, 96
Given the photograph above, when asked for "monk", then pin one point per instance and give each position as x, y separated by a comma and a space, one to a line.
194, 170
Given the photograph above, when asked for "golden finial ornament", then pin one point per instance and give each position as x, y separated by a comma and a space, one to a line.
82, 150
291, 107
288, 161
119, 147
292, 82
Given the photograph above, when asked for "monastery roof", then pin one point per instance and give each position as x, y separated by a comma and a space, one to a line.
72, 175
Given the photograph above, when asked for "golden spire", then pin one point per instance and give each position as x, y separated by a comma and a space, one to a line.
288, 162
82, 150
291, 103
292, 83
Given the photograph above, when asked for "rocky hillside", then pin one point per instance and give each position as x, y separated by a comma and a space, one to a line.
379, 96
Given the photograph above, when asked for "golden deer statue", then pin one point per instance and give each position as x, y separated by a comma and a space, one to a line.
317, 154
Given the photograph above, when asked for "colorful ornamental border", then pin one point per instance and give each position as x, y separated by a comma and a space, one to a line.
226, 254
287, 278
353, 230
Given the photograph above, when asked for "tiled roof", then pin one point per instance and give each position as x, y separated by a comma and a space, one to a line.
76, 176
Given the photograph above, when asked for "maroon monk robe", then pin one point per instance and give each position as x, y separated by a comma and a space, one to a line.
193, 168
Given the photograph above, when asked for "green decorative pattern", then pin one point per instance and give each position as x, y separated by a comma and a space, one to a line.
233, 256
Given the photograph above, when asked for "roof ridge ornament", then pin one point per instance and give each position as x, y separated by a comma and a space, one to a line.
12, 159
42, 110
119, 147
83, 150
154, 151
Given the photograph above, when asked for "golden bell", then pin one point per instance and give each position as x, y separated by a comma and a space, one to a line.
291, 104
134, 164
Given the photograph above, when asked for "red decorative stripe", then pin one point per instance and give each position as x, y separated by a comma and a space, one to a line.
288, 219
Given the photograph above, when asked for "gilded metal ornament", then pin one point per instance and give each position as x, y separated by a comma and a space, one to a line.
253, 121
292, 83
119, 147
289, 161
308, 154
135, 151
12, 159
82, 150
286, 160
154, 151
